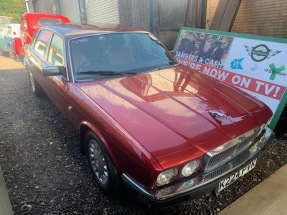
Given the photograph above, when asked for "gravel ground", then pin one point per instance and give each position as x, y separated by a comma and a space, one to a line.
46, 174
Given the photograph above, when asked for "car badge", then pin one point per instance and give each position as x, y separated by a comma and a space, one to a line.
216, 114
241, 139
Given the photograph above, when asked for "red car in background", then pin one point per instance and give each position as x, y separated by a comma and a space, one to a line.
29, 25
166, 131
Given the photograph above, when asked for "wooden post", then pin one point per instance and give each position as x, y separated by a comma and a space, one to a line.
225, 15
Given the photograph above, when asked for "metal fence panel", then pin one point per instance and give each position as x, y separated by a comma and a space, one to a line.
135, 13
70, 9
172, 14
102, 11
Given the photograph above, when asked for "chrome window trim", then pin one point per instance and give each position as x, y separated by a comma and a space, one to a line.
64, 51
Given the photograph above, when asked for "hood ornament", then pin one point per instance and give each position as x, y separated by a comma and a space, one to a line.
217, 114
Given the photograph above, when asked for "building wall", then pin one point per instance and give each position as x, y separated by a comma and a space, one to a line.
260, 17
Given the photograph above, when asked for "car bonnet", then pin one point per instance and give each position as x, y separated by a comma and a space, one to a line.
177, 111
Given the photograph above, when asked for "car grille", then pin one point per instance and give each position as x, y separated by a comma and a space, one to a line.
220, 156
227, 167
238, 160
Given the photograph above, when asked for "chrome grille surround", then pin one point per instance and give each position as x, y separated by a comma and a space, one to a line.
226, 152
257, 145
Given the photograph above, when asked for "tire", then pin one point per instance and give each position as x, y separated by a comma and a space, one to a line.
17, 58
12, 55
36, 89
101, 164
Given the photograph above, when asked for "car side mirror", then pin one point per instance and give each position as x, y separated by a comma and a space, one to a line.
52, 70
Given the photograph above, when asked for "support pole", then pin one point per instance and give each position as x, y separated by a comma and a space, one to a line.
83, 13
154, 17
203, 14
225, 15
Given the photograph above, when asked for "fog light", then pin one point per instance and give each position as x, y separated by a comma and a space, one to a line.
165, 192
186, 185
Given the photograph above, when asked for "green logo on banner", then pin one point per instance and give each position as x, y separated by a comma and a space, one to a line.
275, 71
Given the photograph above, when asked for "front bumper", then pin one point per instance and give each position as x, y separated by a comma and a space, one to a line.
203, 182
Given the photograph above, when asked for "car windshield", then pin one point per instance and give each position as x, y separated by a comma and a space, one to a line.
117, 54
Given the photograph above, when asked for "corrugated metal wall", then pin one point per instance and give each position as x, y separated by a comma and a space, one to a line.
169, 16
124, 12
102, 11
70, 9
128, 12
135, 13
45, 6
172, 14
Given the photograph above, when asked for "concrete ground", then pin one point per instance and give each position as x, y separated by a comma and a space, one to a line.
5, 204
267, 198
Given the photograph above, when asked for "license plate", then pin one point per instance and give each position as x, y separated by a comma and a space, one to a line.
230, 179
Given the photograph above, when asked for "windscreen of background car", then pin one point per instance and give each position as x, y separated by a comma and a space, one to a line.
117, 53
49, 21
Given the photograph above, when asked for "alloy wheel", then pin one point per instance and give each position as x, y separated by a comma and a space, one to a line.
98, 162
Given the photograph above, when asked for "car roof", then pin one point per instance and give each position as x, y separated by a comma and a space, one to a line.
69, 30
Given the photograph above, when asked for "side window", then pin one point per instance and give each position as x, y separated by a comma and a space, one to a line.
56, 51
42, 42
32, 43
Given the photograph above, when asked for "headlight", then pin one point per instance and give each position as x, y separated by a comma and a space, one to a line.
189, 168
166, 176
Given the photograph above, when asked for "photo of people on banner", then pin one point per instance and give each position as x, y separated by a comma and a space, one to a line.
203, 48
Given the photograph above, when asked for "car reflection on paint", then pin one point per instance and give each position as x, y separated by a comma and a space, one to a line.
143, 119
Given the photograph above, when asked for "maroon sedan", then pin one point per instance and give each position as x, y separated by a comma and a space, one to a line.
163, 129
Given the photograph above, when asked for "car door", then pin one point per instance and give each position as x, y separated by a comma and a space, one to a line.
46, 50
36, 56
57, 85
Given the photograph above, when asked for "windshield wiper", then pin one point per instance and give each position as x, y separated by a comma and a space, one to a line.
171, 62
129, 73
164, 67
108, 73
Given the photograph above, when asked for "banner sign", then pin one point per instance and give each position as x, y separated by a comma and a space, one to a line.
255, 64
